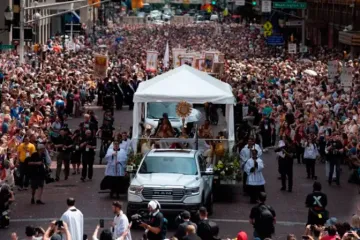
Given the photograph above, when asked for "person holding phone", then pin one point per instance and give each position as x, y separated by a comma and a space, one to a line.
59, 232
120, 227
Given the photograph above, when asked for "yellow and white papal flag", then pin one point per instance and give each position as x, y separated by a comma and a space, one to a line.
151, 60
166, 56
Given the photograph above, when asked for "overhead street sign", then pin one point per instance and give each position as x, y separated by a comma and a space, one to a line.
268, 33
290, 5
266, 6
275, 40
6, 47
292, 48
240, 2
267, 26
294, 23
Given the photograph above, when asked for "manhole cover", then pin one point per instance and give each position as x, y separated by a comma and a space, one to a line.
65, 185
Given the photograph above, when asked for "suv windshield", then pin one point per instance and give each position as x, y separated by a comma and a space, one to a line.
177, 165
156, 110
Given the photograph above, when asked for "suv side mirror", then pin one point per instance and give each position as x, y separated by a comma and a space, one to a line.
207, 172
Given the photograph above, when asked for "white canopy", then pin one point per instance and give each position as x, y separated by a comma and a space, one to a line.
185, 84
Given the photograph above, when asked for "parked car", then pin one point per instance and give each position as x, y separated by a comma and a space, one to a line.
214, 17
177, 178
192, 12
167, 14
155, 15
178, 12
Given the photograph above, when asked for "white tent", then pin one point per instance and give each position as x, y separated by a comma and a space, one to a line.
185, 84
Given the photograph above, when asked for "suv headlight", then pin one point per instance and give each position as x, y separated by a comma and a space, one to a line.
136, 190
192, 191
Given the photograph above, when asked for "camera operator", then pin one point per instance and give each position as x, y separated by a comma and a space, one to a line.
156, 228
181, 231
6, 198
316, 202
334, 150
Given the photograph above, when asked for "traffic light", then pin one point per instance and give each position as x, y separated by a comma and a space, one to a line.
253, 3
213, 2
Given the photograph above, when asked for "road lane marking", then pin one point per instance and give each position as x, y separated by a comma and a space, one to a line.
224, 220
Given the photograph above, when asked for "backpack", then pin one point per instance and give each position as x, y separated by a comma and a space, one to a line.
266, 219
164, 228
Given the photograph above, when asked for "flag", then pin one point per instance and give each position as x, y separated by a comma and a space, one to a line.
166, 56
151, 61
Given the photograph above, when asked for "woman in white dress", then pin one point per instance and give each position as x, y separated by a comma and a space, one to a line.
255, 179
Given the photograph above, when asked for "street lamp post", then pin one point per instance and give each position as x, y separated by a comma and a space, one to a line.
9, 17
22, 40
37, 17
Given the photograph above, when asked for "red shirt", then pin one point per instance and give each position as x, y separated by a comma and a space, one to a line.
328, 237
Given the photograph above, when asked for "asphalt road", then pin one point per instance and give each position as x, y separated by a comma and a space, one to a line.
230, 212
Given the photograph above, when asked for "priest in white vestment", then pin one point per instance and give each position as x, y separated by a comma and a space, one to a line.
74, 219
255, 180
121, 226
116, 159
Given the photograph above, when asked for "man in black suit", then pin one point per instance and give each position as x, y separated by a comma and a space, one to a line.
119, 95
130, 90
182, 228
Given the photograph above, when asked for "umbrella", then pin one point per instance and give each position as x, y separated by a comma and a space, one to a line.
311, 72
305, 60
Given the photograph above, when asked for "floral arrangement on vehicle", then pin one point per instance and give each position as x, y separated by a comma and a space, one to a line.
133, 162
227, 169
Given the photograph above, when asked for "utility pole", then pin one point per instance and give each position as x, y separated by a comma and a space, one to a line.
22, 40
303, 28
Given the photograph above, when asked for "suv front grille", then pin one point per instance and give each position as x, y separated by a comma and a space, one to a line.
166, 194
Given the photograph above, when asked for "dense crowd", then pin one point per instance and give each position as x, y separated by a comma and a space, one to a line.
291, 108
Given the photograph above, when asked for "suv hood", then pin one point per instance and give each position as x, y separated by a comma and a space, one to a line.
165, 179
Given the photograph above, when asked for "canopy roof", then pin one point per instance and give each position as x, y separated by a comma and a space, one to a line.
185, 84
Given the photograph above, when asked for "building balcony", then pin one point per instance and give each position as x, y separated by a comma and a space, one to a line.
350, 38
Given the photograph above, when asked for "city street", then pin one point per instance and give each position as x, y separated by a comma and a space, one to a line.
230, 212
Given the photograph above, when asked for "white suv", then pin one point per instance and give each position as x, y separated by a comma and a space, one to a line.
178, 179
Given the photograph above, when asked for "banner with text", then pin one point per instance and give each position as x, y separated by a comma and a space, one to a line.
347, 77
333, 67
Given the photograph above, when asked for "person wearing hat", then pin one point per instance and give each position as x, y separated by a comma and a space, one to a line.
181, 230
37, 173
156, 228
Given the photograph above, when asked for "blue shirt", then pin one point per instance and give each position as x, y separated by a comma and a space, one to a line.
15, 112
5, 128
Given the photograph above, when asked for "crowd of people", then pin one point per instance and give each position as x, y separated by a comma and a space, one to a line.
290, 108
